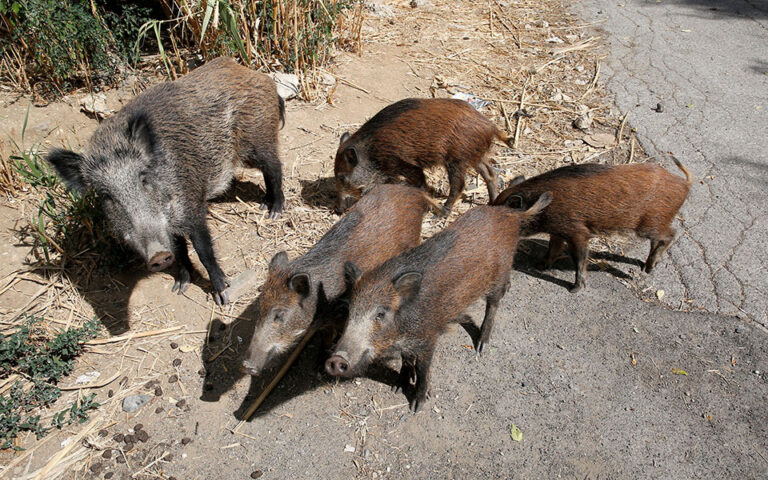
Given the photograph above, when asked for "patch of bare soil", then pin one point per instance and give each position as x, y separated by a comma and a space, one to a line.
537, 65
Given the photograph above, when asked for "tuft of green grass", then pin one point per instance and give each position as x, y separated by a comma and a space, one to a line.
41, 362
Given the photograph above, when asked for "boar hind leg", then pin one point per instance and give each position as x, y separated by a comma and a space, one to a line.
181, 253
658, 247
456, 181
556, 246
421, 394
203, 243
407, 373
579, 250
491, 305
486, 170
268, 162
414, 175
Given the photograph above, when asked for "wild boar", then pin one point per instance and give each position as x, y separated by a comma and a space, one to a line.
405, 304
592, 199
413, 134
156, 163
382, 224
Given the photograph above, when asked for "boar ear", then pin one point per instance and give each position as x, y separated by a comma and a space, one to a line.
407, 285
350, 155
344, 137
280, 260
515, 202
140, 131
516, 181
67, 166
351, 274
299, 283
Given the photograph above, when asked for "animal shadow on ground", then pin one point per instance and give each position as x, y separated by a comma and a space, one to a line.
532, 252
245, 190
319, 193
227, 347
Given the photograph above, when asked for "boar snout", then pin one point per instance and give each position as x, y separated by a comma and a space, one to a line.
343, 202
160, 261
337, 365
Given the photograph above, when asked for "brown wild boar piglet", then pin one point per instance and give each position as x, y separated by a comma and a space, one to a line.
382, 224
405, 304
592, 199
413, 134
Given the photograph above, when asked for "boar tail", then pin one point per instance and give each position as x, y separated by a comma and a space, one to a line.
282, 110
431, 204
542, 202
501, 135
683, 169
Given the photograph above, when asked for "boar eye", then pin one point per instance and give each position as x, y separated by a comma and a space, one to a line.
380, 315
279, 316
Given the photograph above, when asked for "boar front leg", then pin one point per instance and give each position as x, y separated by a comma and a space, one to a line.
269, 164
203, 243
423, 362
491, 305
184, 275
407, 373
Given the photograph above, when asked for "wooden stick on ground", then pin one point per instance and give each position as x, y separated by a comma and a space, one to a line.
121, 338
252, 409
621, 128
520, 114
103, 383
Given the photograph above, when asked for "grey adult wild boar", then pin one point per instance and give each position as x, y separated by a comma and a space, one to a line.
298, 295
156, 163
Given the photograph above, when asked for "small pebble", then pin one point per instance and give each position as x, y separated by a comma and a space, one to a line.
96, 467
169, 457
103, 432
118, 437
130, 439
173, 378
176, 362
159, 410
108, 475
158, 391
181, 403
111, 393
257, 474
120, 459
107, 454
185, 440
142, 436
174, 345
659, 108
138, 426
135, 402
128, 447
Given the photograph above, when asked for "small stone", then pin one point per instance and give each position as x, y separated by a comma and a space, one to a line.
103, 432
109, 475
158, 391
128, 447
111, 393
135, 402
176, 362
257, 474
174, 345
159, 410
138, 427
169, 457
173, 378
118, 437
142, 436
96, 467
130, 439
107, 454
659, 108
120, 459
181, 403
185, 440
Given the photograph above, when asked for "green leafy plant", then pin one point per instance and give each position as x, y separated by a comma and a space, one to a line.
40, 362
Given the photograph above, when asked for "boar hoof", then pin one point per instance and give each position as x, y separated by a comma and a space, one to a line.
220, 295
418, 402
397, 388
182, 281
576, 287
648, 267
480, 348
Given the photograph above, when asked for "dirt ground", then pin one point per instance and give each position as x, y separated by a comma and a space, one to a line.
587, 379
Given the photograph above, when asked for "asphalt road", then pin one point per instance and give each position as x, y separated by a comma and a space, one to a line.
706, 63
